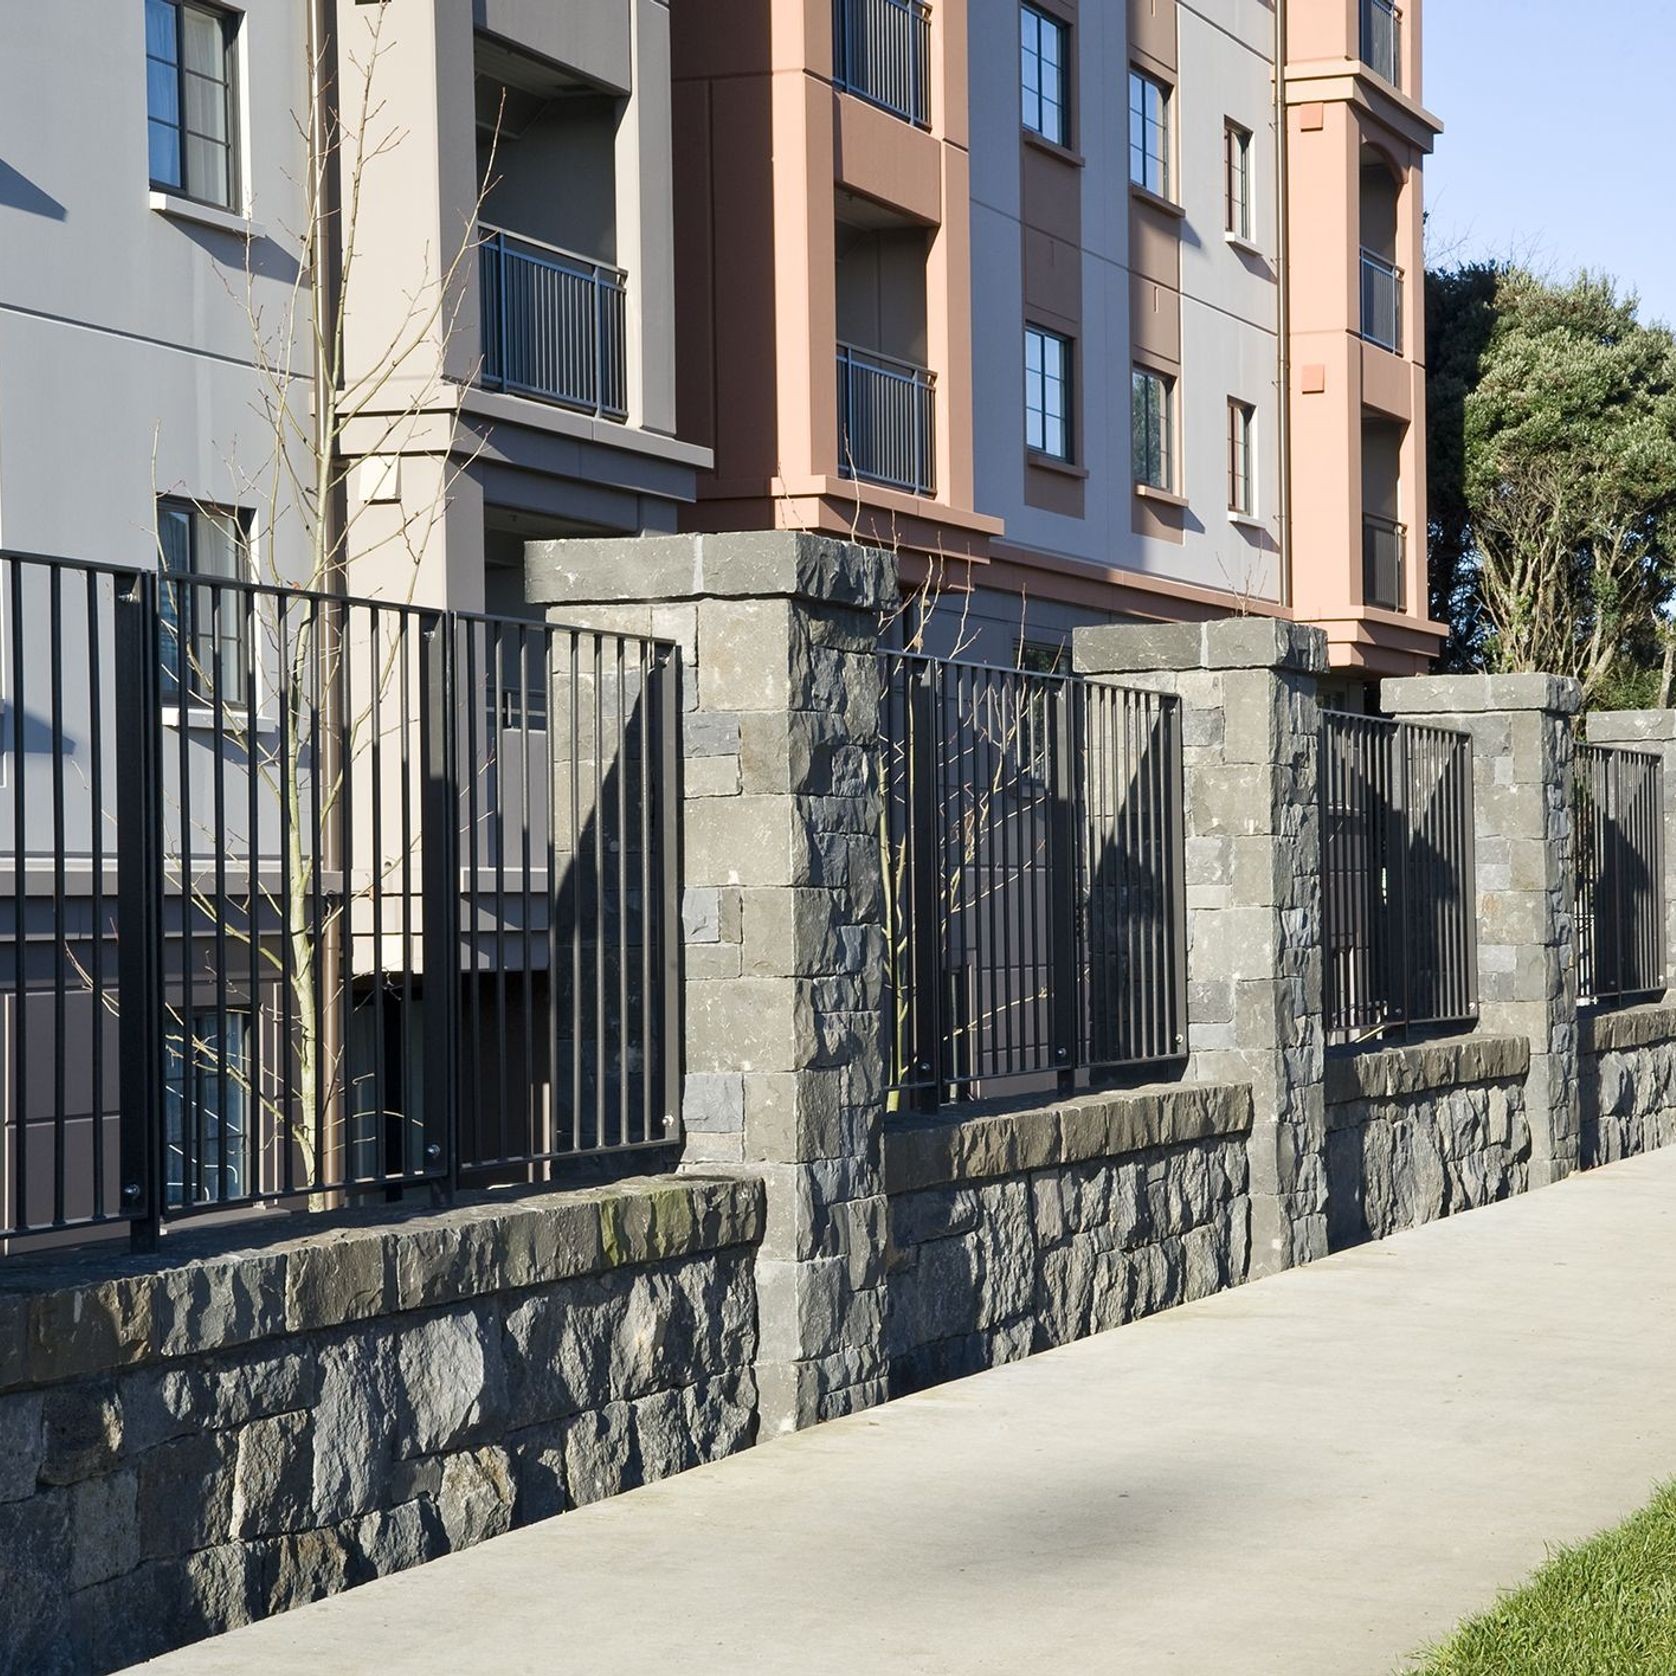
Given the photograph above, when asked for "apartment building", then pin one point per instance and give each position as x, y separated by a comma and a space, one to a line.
1180, 373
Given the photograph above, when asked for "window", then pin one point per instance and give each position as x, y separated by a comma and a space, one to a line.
1242, 461
1043, 44
189, 99
1237, 173
206, 1106
1043, 657
1047, 393
1149, 133
1154, 429
203, 628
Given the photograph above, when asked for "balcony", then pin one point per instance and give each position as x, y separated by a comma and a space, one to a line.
882, 53
1382, 39
1381, 302
1384, 559
886, 422
553, 325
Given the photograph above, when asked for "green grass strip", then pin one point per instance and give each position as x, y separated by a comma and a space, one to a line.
1604, 1608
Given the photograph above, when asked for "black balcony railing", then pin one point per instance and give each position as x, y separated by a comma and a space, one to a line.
886, 421
1033, 858
392, 904
882, 53
1382, 290
1384, 562
1618, 837
554, 324
1398, 887
1382, 39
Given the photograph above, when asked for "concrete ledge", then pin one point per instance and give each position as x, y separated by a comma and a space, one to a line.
765, 564
1627, 1027
1415, 1067
1222, 643
101, 1311
1466, 695
939, 1151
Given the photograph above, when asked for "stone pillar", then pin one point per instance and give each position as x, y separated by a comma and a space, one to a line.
1648, 730
1250, 729
1527, 965
784, 933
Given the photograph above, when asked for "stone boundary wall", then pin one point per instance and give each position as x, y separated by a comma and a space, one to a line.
1424, 1130
1013, 1232
1628, 1060
192, 1441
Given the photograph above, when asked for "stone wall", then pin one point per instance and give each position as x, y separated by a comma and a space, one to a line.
1424, 1130
192, 1442
1629, 1082
1013, 1232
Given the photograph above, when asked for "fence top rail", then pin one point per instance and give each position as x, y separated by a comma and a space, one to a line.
1061, 677
60, 561
1349, 721
555, 253
1590, 747
870, 360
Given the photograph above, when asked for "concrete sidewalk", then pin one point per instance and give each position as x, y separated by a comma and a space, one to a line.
1316, 1473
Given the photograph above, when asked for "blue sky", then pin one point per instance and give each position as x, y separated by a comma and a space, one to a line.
1557, 145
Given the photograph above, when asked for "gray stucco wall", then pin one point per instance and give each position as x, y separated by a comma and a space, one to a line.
1015, 1232
1628, 1064
186, 1446
1422, 1131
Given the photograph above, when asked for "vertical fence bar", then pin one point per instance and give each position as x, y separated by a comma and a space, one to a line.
439, 925
139, 886
1064, 736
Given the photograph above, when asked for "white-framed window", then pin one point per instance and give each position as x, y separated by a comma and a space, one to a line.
1043, 60
1236, 168
192, 99
1047, 393
1153, 418
204, 629
1149, 133
1242, 458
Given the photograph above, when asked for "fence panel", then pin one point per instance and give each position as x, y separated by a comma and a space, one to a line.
1397, 877
315, 897
1618, 827
1034, 887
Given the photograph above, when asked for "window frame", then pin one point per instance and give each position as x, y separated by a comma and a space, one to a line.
175, 590
192, 1055
1045, 22
1237, 173
1164, 434
229, 22
1144, 84
1066, 379
1242, 458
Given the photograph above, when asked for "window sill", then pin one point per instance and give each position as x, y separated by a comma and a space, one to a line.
178, 208
1244, 245
1065, 154
1051, 462
234, 721
1246, 521
1166, 497
1165, 206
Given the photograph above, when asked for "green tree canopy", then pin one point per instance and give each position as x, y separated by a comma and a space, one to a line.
1553, 474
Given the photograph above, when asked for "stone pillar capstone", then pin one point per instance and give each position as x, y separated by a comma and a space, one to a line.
1250, 732
784, 941
1521, 730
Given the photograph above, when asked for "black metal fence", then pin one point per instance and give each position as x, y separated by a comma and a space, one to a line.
1398, 888
887, 421
1618, 827
316, 896
1033, 857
